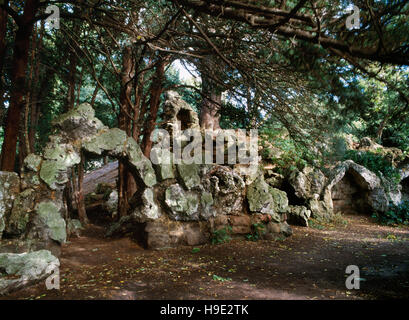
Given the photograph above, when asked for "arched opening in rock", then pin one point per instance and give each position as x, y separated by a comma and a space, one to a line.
293, 200
348, 196
98, 187
405, 189
185, 119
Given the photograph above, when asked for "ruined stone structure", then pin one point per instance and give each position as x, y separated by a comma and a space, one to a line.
175, 204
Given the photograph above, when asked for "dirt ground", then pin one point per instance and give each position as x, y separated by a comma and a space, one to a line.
309, 265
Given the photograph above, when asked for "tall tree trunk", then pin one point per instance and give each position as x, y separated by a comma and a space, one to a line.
37, 92
124, 123
77, 191
18, 77
24, 144
156, 90
212, 96
38, 101
210, 108
381, 127
71, 81
82, 213
3, 31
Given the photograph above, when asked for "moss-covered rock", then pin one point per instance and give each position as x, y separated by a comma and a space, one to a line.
308, 182
79, 123
148, 210
74, 227
298, 215
9, 189
63, 153
227, 189
31, 267
112, 141
52, 223
32, 162
176, 110
260, 199
280, 200
20, 214
54, 174
207, 209
183, 205
189, 175
141, 165
163, 163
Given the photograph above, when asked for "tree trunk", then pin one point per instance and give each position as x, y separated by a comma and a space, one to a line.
212, 99
71, 81
82, 213
70, 103
24, 143
18, 77
381, 127
41, 93
124, 123
38, 91
156, 91
3, 31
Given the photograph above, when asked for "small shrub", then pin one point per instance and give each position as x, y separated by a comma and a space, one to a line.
221, 235
283, 152
195, 250
257, 231
395, 215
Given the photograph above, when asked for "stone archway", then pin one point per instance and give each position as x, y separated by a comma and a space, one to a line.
348, 196
176, 204
405, 189
41, 215
355, 189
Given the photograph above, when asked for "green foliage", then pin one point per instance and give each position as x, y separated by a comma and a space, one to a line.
395, 215
221, 235
233, 117
283, 152
257, 231
195, 250
374, 162
316, 224
387, 107
221, 279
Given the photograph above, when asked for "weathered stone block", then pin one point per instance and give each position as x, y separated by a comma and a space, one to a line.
9, 189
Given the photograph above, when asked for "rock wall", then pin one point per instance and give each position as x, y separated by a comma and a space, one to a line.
9, 188
38, 214
175, 203
347, 196
349, 188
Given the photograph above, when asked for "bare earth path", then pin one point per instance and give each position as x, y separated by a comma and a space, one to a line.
309, 265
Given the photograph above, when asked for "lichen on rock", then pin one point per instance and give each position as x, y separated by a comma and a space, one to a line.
147, 210
261, 200
183, 205
9, 189
31, 267
49, 215
79, 122
189, 175
23, 206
